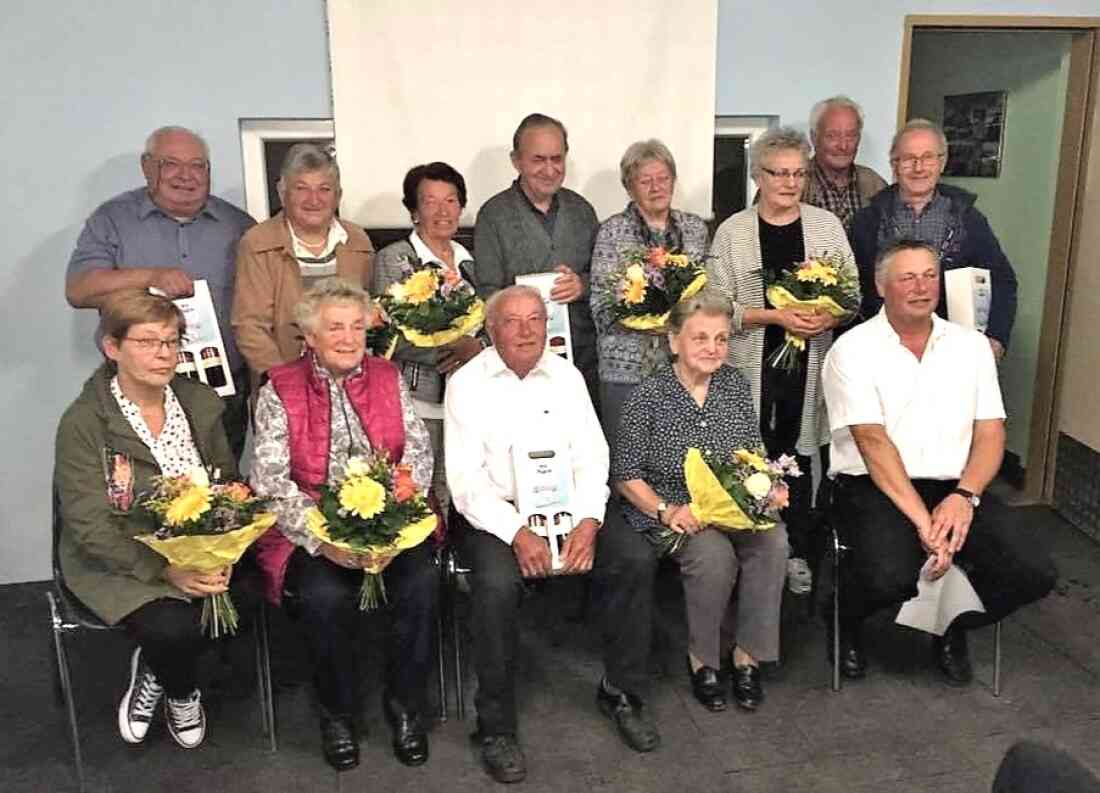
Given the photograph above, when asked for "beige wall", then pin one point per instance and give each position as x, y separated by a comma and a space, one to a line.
1079, 409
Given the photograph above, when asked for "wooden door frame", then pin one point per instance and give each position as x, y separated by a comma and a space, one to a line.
1081, 95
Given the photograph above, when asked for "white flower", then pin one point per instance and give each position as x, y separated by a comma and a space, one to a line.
758, 485
357, 466
198, 476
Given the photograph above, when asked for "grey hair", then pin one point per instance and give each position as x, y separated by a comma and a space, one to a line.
775, 140
497, 300
306, 158
328, 290
707, 301
917, 125
643, 151
834, 103
887, 255
537, 121
158, 133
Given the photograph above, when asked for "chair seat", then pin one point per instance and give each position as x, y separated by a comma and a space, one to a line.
74, 613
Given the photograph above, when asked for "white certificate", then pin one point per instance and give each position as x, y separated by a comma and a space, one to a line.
969, 295
558, 337
544, 493
202, 355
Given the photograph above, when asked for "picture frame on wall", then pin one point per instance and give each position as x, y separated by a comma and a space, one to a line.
264, 144
974, 125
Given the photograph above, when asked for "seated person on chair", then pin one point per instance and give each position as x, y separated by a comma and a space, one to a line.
514, 391
331, 404
697, 401
136, 420
917, 435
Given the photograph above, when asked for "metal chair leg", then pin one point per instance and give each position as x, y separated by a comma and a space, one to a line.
440, 654
263, 679
67, 687
836, 613
997, 659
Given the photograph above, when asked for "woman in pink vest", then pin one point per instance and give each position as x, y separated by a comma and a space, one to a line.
311, 417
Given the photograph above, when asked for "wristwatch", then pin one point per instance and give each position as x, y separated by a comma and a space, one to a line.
974, 499
661, 507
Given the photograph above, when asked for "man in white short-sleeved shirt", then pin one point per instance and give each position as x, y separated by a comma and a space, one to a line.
512, 395
917, 435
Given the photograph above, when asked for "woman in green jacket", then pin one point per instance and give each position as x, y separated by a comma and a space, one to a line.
135, 420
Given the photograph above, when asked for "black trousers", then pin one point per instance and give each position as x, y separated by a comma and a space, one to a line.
1006, 570
328, 605
171, 640
1032, 767
496, 591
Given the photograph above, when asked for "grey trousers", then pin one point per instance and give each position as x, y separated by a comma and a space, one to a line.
439, 473
710, 563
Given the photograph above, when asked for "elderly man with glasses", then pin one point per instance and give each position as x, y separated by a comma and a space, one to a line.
165, 236
918, 206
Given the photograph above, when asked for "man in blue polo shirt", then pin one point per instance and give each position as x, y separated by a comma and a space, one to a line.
166, 235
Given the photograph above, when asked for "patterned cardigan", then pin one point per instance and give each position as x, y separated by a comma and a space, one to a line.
735, 269
628, 356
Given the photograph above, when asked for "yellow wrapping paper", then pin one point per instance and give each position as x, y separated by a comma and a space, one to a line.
781, 298
462, 326
659, 321
409, 537
710, 503
207, 552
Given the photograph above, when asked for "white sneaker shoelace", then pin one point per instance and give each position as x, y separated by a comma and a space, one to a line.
186, 719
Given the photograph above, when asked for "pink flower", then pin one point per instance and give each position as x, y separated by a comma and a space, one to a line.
656, 257
780, 496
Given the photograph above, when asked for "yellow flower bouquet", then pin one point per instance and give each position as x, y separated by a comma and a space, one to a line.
648, 283
827, 284
375, 509
205, 526
432, 305
744, 491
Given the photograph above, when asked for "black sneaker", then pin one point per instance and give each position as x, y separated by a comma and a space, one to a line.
502, 757
139, 703
186, 719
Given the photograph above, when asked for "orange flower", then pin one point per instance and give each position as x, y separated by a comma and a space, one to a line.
656, 257
451, 276
404, 487
237, 491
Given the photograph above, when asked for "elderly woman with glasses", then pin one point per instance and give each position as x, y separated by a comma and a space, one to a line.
648, 174
435, 195
777, 234
279, 259
312, 416
136, 420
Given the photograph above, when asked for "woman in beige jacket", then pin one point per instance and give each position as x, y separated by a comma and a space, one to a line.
280, 258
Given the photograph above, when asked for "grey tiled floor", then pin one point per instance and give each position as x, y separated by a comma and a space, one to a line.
900, 730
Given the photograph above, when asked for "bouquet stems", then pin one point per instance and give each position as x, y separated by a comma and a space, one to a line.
373, 593
219, 616
788, 357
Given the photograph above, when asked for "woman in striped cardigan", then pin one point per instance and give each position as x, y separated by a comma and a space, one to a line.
776, 234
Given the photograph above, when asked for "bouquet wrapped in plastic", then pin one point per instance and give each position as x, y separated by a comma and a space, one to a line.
742, 492
205, 526
648, 283
375, 509
828, 284
431, 306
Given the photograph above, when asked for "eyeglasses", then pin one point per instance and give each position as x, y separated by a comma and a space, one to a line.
170, 168
798, 175
910, 161
837, 137
153, 345
649, 182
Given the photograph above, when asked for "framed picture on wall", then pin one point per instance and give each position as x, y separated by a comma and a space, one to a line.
974, 125
264, 144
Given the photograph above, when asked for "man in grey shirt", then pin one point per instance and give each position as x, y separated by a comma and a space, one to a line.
164, 236
538, 226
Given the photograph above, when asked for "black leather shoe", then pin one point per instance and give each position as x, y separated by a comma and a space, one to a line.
338, 742
410, 741
631, 718
953, 657
502, 757
853, 663
747, 691
707, 687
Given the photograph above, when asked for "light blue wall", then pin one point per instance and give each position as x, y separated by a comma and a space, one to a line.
85, 83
